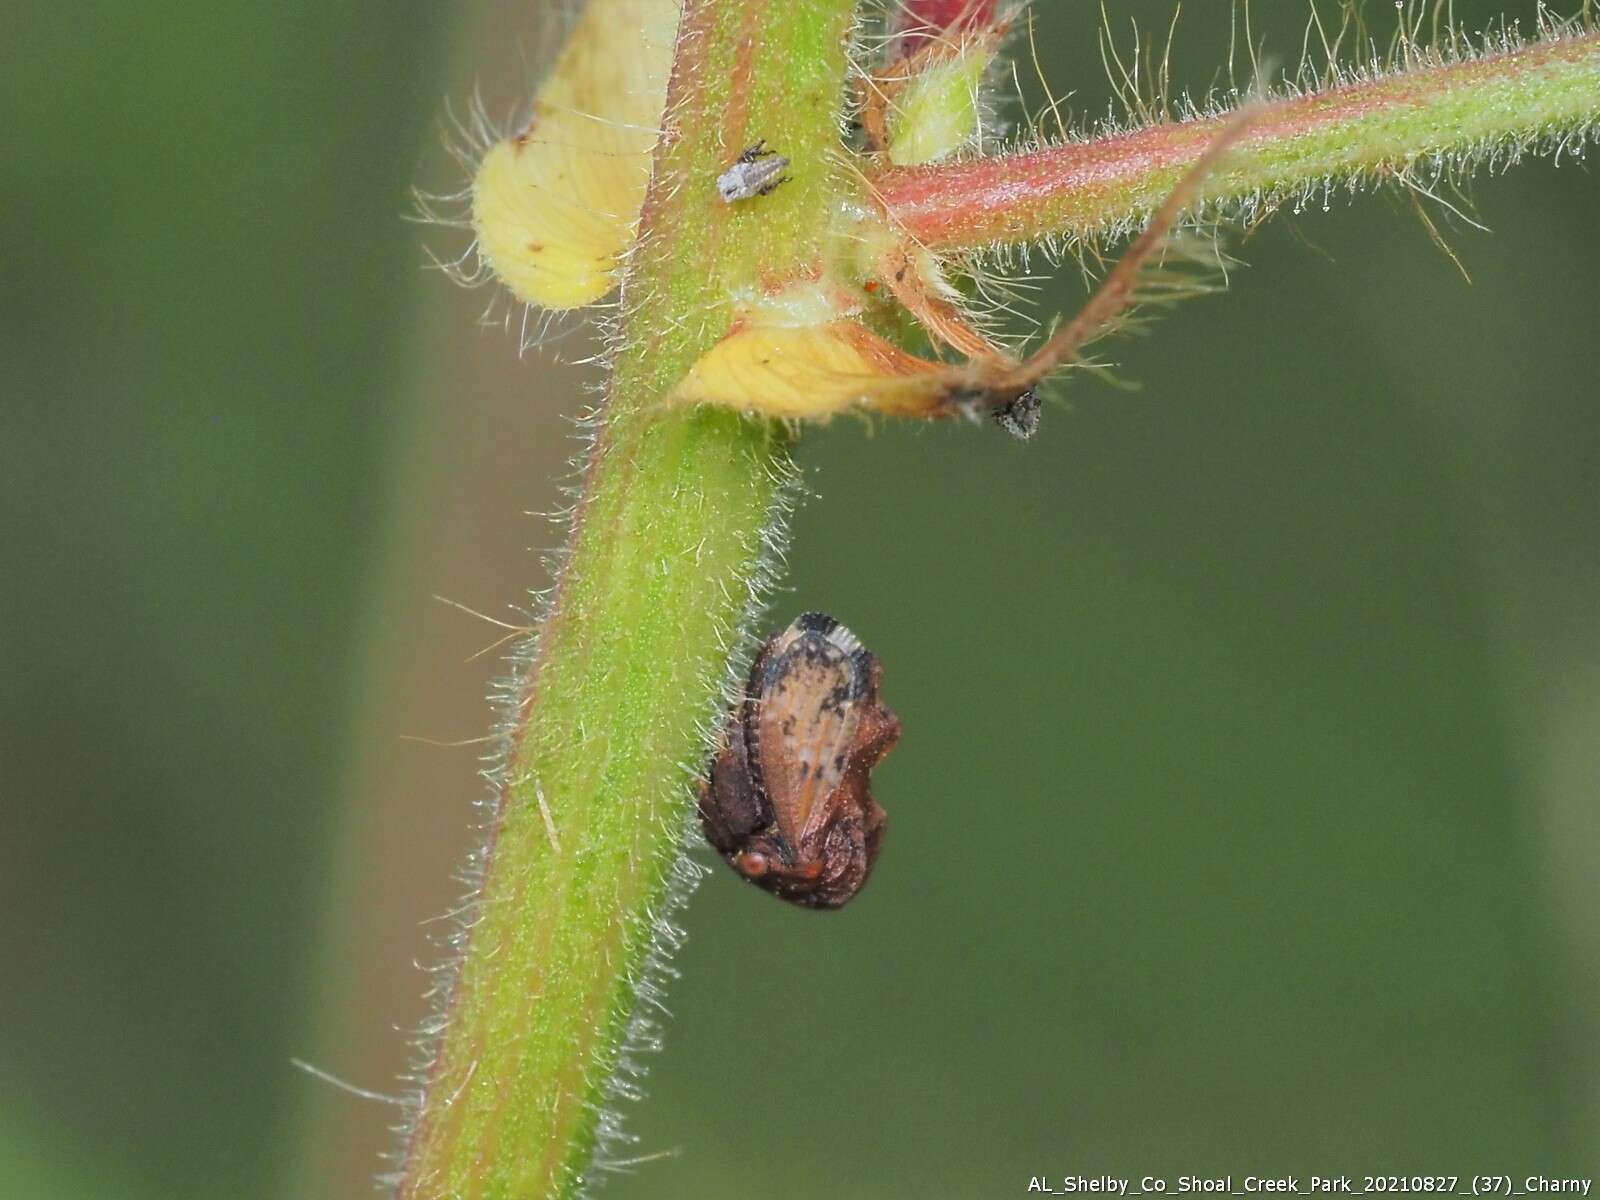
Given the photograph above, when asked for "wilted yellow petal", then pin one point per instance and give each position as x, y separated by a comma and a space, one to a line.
556, 206
812, 371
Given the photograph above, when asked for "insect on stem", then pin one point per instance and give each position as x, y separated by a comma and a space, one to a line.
786, 797
756, 172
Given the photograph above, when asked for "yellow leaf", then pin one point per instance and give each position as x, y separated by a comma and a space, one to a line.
556, 206
812, 371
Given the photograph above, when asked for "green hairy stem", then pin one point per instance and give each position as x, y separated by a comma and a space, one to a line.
1452, 114
677, 514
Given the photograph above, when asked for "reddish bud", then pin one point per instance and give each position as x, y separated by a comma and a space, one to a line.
922, 21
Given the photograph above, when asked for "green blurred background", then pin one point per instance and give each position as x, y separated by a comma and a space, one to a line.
1245, 817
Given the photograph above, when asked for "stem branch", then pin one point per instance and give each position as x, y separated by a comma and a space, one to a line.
1088, 189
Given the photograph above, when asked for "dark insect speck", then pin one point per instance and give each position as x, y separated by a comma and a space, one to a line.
1020, 417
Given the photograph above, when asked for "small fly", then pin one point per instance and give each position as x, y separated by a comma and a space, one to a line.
755, 172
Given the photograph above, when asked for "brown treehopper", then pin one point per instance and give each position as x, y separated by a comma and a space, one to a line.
785, 799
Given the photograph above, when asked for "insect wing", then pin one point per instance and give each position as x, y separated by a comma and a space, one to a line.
810, 685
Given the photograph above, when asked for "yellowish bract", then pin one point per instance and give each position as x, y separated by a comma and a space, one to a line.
809, 372
556, 206
938, 111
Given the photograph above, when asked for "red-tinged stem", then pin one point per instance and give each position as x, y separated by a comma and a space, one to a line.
1099, 187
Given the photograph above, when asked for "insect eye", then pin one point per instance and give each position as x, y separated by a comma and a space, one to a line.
753, 863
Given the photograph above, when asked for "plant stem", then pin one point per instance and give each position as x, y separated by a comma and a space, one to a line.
670, 542
1447, 113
